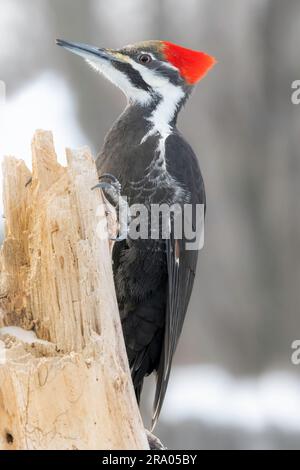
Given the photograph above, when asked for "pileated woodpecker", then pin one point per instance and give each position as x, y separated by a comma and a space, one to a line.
154, 164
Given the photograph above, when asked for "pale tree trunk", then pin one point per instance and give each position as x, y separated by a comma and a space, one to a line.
65, 382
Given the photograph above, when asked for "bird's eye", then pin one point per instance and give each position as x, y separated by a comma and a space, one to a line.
145, 58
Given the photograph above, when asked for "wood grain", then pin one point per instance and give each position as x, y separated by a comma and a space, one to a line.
73, 391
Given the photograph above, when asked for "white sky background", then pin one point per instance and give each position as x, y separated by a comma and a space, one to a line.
47, 103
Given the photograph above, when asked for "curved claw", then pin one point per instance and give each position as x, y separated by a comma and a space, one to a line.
109, 176
103, 185
116, 188
118, 239
114, 180
110, 192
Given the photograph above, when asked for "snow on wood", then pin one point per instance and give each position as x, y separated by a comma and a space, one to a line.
72, 389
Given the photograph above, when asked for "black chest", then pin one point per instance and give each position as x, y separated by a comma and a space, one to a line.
123, 153
138, 157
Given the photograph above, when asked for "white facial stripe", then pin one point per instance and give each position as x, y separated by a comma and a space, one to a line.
149, 76
163, 114
165, 111
120, 80
171, 95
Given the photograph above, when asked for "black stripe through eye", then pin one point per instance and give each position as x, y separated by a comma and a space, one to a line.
172, 75
133, 75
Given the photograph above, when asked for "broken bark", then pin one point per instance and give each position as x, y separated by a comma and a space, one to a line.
66, 383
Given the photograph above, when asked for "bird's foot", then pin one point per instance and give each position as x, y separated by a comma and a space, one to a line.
112, 192
111, 188
154, 442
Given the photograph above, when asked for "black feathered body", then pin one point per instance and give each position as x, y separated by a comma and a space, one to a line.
152, 169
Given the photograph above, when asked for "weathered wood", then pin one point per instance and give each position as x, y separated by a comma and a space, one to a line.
72, 390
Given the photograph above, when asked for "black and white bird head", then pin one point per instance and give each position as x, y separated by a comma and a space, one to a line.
147, 71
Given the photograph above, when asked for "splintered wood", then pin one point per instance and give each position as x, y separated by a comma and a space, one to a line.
68, 386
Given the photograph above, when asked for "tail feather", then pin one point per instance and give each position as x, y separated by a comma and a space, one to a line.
163, 375
138, 390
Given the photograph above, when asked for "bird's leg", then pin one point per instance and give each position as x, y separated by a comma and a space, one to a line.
112, 192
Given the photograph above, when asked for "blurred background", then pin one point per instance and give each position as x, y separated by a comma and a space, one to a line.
234, 385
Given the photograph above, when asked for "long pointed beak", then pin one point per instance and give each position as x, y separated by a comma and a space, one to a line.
85, 50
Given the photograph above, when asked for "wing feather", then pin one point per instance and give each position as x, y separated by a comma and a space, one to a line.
181, 274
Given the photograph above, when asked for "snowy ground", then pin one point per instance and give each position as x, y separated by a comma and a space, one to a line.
208, 408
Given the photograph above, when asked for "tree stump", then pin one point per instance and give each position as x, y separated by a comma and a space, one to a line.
64, 376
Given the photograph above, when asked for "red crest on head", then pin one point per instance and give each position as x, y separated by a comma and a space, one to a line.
193, 65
